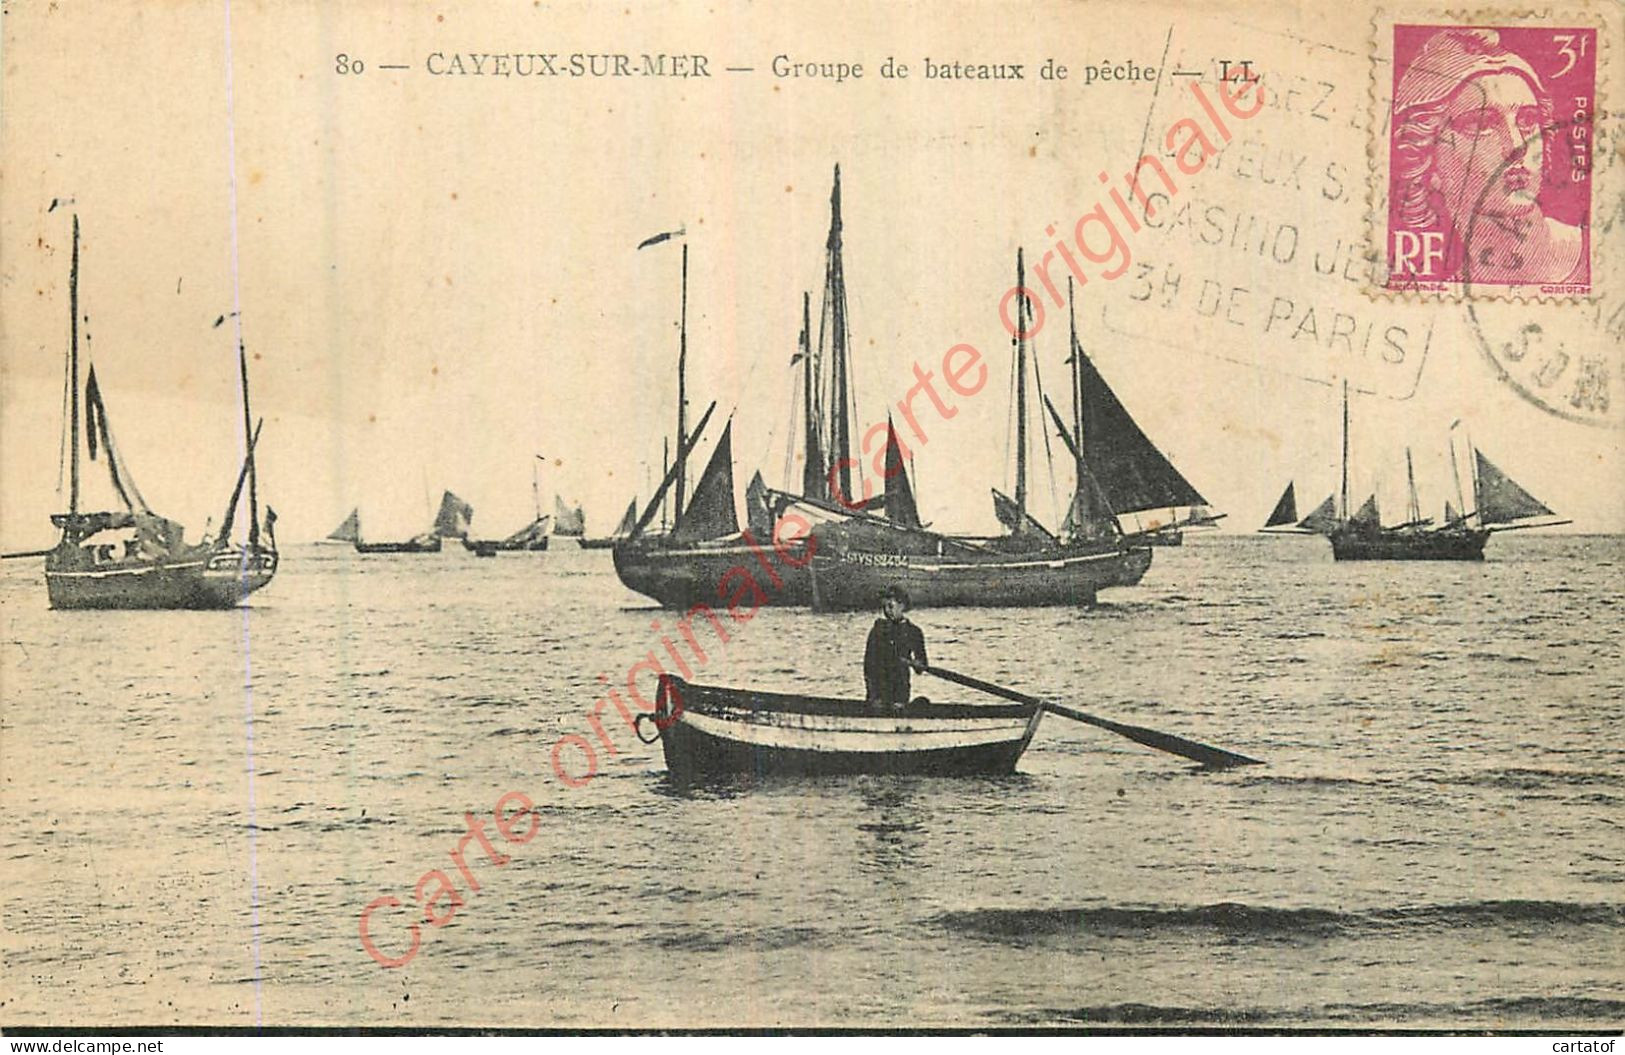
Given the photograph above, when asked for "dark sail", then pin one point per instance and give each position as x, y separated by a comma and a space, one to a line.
348, 531
1132, 473
711, 513
1367, 513
1012, 517
1500, 500
1323, 519
454, 517
1450, 514
758, 515
899, 505
1286, 510
629, 519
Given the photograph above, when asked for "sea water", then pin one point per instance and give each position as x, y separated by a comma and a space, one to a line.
198, 806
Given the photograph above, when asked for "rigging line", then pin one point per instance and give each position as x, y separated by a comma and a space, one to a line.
1049, 454
792, 432
1010, 413
62, 439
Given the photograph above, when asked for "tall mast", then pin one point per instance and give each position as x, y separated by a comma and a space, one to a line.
1414, 514
812, 469
73, 369
1344, 513
682, 370
248, 440
665, 468
1077, 381
1021, 389
1455, 471
840, 453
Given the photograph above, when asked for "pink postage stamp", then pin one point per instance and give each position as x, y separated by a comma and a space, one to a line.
1489, 160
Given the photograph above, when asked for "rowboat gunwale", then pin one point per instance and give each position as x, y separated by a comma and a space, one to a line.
713, 732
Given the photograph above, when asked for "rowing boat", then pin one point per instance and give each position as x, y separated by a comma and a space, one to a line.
709, 732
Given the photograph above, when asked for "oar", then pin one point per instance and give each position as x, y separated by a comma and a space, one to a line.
1212, 757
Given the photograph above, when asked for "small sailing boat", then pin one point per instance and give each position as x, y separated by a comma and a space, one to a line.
1498, 503
452, 521
134, 557
531, 538
629, 520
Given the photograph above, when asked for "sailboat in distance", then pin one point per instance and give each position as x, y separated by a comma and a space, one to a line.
133, 557
629, 520
452, 521
531, 538
1496, 503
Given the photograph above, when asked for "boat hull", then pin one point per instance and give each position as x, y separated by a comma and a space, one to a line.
597, 543
1409, 545
409, 546
684, 576
491, 547
710, 733
220, 580
856, 580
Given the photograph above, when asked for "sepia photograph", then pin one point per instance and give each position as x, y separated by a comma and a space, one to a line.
862, 516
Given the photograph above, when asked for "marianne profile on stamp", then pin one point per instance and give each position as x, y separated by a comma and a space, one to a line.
1488, 181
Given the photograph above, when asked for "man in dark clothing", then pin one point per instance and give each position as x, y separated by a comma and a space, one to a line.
895, 646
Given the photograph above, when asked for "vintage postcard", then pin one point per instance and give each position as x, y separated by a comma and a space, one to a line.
871, 515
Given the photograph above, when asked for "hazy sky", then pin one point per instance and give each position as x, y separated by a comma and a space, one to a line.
438, 277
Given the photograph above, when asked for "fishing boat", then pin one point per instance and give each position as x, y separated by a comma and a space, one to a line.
428, 542
532, 538
857, 560
629, 520
1497, 503
704, 558
452, 521
133, 557
710, 733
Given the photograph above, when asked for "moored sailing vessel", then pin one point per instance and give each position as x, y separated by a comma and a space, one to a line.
705, 558
134, 557
856, 561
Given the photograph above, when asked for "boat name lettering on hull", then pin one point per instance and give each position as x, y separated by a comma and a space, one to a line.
876, 560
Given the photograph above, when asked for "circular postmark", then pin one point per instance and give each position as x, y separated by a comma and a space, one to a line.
1565, 356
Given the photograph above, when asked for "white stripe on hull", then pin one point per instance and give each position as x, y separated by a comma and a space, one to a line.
857, 733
